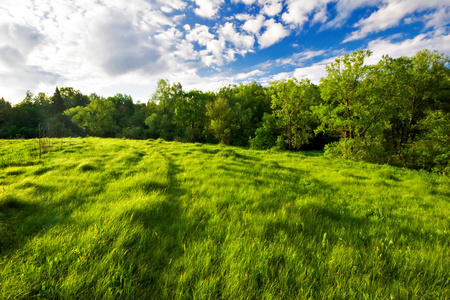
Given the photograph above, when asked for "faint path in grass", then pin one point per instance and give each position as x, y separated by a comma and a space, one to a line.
165, 225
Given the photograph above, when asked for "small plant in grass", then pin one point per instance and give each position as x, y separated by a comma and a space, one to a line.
42, 146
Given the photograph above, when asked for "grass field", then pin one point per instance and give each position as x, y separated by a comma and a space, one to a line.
121, 219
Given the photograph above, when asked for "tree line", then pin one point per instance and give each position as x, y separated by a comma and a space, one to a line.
396, 112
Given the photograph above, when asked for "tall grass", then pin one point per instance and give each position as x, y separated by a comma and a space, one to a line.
118, 219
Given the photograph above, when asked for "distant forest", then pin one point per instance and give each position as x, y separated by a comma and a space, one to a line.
396, 112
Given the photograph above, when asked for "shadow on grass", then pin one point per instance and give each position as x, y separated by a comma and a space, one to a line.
322, 228
208, 151
367, 230
165, 226
20, 221
312, 153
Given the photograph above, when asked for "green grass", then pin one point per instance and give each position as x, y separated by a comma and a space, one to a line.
120, 219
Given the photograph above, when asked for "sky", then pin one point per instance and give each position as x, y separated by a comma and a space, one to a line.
127, 46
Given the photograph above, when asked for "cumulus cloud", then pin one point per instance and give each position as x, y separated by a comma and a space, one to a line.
118, 48
113, 44
216, 47
254, 25
271, 7
242, 17
185, 51
200, 34
207, 8
246, 2
273, 34
299, 12
17, 42
240, 41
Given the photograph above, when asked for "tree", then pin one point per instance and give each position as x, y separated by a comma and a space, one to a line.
266, 135
164, 102
57, 103
249, 102
190, 115
291, 104
420, 89
97, 118
5, 118
353, 105
220, 114
344, 93
73, 98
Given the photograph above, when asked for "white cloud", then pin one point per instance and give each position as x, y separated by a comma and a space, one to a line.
295, 60
249, 75
11, 57
246, 2
216, 48
240, 41
438, 19
207, 8
185, 51
254, 25
321, 16
23, 38
391, 14
299, 58
271, 7
15, 84
101, 46
242, 17
344, 8
273, 34
84, 40
200, 34
408, 47
314, 72
173, 4
299, 12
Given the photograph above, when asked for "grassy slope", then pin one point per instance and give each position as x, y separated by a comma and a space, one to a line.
104, 218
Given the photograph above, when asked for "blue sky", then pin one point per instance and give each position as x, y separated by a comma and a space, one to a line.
126, 46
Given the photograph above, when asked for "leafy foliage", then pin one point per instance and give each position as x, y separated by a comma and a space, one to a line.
391, 112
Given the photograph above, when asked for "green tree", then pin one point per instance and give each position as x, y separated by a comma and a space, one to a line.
291, 104
97, 118
163, 104
419, 100
221, 116
73, 98
354, 106
344, 93
58, 106
249, 103
266, 135
190, 115
5, 118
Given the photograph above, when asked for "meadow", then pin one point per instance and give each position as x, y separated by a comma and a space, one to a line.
124, 219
